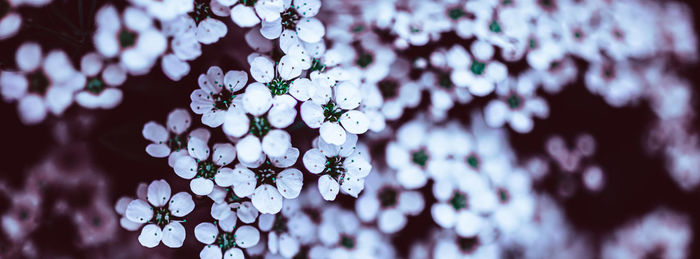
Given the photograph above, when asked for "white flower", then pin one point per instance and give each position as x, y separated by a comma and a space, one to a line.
343, 235
97, 92
282, 79
449, 245
225, 241
217, 93
387, 203
341, 167
409, 156
264, 118
517, 105
266, 181
329, 113
277, 15
479, 74
288, 230
208, 30
202, 168
171, 142
164, 10
41, 84
134, 38
123, 202
160, 225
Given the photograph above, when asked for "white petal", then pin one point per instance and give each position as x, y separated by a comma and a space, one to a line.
289, 183
328, 187
314, 161
247, 213
122, 203
91, 64
289, 68
234, 253
243, 181
174, 67
13, 85
332, 133
269, 10
257, 42
173, 234
224, 153
244, 16
32, 109
236, 123
520, 122
288, 159
282, 115
299, 88
352, 185
249, 149
174, 156
150, 236
28, 56
198, 148
367, 207
201, 186
235, 80
468, 224
129, 225
247, 236
185, 167
411, 177
181, 204
9, 25
155, 132
257, 99
355, 122
228, 223
266, 221
444, 215
310, 30
267, 199
206, 232
312, 114
262, 69
210, 30
224, 177
357, 166
347, 95
496, 113
201, 133
391, 221
307, 8
114, 75
411, 202
139, 211
289, 246
210, 252
158, 193
271, 30
178, 121
158, 150
276, 143
220, 9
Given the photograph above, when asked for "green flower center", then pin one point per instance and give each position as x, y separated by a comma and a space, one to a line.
207, 169
126, 38
347, 241
468, 244
38, 82
445, 81
388, 88
266, 173
532, 43
278, 86
4, 8
503, 195
225, 241
290, 18
334, 167
223, 99
506, 2
316, 65
161, 216
458, 201
388, 197
177, 142
420, 157
280, 224
364, 59
331, 112
495, 27
202, 10
95, 85
477, 67
455, 13
514, 101
250, 3
259, 126
473, 161
358, 28
554, 65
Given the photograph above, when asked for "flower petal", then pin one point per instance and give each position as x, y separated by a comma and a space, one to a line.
201, 186
198, 148
173, 234
224, 153
352, 185
139, 211
267, 199
312, 114
276, 143
150, 236
247, 213
310, 30
289, 182
155, 132
347, 95
244, 16
332, 133
158, 193
179, 120
181, 204
286, 160
249, 149
328, 187
247, 236
158, 150
185, 167
262, 69
243, 181
206, 232
314, 161
257, 99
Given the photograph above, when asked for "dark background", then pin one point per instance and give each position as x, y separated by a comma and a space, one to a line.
636, 181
